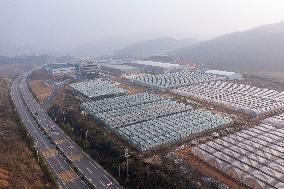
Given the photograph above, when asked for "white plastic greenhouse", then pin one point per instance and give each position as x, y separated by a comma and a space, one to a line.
253, 156
246, 99
97, 88
178, 79
163, 130
108, 104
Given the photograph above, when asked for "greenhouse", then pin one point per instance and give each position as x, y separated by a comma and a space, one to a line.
163, 130
97, 89
141, 112
246, 99
277, 121
171, 80
253, 156
108, 104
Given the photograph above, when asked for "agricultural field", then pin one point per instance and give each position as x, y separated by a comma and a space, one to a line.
41, 90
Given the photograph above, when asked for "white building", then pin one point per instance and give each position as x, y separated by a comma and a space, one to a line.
120, 69
87, 67
229, 75
60, 69
158, 67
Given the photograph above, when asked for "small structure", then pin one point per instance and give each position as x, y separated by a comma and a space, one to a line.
229, 75
60, 68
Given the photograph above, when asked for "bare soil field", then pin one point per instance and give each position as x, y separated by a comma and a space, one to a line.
270, 80
40, 89
18, 167
125, 84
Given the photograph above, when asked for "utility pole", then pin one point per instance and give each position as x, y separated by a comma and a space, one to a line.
35, 146
126, 154
119, 170
118, 167
86, 134
64, 116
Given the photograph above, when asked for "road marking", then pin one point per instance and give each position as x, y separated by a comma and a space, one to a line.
93, 165
60, 141
68, 176
102, 183
89, 170
49, 152
75, 157
107, 178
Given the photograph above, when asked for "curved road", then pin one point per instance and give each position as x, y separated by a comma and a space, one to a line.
86, 166
66, 176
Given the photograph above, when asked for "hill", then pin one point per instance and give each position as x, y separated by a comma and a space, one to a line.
105, 46
260, 48
159, 46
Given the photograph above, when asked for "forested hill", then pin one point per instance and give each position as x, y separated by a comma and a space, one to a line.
260, 48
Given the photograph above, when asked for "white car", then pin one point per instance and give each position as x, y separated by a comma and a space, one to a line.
109, 184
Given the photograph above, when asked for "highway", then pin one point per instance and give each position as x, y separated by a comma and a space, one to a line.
86, 166
67, 178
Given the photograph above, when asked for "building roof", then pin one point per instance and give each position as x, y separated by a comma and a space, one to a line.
60, 65
120, 66
219, 72
158, 64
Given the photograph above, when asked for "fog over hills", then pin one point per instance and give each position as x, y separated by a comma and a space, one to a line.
106, 46
159, 46
260, 48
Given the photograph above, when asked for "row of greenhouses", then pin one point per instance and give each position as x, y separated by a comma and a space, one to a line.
253, 156
171, 80
147, 121
276, 121
97, 89
156, 132
107, 104
246, 99
140, 112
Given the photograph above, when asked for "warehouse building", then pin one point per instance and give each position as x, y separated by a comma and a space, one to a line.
60, 69
158, 67
120, 69
229, 75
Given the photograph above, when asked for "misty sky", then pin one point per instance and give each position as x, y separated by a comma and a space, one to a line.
62, 23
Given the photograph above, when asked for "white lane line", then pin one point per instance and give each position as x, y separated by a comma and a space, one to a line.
89, 170
93, 165
107, 178
102, 183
